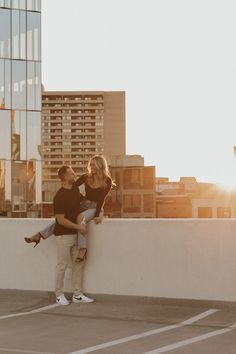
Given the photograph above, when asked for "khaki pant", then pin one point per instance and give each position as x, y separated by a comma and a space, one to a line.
67, 250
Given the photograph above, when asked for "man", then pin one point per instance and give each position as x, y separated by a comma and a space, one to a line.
66, 208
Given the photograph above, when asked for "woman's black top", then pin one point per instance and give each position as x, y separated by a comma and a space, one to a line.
95, 194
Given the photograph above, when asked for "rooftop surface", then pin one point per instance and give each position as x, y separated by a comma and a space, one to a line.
31, 322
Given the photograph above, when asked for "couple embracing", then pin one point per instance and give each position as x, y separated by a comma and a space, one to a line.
73, 211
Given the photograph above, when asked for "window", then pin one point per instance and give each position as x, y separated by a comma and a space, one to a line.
33, 86
19, 4
5, 3
131, 178
18, 34
5, 84
5, 31
148, 178
205, 212
18, 84
34, 5
33, 36
148, 203
33, 135
5, 135
18, 119
132, 203
223, 212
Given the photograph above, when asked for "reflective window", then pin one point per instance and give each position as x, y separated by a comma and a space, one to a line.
5, 32
5, 84
18, 84
19, 186
18, 135
34, 86
5, 135
34, 5
19, 4
18, 34
5, 3
33, 135
31, 174
5, 186
33, 36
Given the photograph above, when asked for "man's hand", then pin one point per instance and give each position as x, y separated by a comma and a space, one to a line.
98, 219
82, 229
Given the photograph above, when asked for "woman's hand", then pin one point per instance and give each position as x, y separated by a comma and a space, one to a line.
98, 219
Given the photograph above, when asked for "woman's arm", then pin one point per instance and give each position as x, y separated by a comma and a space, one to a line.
101, 201
80, 180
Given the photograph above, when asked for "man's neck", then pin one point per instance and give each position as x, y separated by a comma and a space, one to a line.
66, 185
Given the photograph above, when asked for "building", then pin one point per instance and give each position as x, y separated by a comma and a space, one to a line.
172, 199
20, 107
190, 199
134, 195
76, 126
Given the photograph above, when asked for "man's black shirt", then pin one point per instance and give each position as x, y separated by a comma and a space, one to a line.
66, 202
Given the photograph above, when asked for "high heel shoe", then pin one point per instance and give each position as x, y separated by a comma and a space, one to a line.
35, 238
82, 258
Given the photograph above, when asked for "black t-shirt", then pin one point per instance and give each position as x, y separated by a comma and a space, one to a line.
66, 202
96, 194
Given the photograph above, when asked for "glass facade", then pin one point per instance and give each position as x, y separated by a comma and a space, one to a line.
20, 108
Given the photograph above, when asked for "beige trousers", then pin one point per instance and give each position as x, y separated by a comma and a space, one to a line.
67, 250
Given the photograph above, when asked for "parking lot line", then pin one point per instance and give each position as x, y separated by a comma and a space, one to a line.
11, 350
29, 312
196, 339
146, 334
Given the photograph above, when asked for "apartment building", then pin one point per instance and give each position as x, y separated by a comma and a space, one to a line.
76, 126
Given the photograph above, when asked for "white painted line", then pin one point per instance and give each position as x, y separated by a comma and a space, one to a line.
9, 350
29, 312
145, 334
185, 342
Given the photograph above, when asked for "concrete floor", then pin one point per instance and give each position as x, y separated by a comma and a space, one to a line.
77, 326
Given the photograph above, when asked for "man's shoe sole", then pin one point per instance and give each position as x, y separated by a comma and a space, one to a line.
81, 301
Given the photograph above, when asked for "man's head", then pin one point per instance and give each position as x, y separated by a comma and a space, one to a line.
66, 174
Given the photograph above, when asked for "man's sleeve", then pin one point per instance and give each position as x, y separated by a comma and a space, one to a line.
59, 205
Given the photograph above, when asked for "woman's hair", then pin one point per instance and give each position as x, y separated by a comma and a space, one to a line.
102, 168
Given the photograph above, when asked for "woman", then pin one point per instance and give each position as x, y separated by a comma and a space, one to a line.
97, 182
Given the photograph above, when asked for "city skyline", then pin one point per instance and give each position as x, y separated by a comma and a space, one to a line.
176, 63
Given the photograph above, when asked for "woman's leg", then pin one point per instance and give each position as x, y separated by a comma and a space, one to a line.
48, 230
45, 233
84, 218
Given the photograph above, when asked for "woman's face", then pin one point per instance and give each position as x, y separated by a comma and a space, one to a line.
93, 167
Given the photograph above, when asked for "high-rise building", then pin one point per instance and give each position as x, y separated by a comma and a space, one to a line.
76, 126
20, 107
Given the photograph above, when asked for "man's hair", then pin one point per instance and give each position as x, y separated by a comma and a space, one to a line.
62, 171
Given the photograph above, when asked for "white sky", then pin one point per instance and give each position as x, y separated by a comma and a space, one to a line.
176, 60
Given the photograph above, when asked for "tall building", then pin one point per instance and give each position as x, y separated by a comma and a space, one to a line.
76, 126
20, 107
134, 195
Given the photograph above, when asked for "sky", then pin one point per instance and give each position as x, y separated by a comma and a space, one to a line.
176, 60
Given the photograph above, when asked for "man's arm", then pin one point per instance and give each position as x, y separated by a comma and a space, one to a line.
69, 224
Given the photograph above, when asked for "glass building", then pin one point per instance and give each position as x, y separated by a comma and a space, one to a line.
20, 107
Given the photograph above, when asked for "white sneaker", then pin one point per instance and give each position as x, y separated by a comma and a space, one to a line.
82, 298
62, 300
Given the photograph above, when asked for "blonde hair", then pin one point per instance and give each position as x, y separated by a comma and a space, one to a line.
102, 168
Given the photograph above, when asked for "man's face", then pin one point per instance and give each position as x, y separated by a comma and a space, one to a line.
69, 176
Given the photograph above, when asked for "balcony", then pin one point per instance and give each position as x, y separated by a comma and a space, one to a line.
168, 258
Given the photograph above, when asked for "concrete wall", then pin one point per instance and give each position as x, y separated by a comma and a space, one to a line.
183, 258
